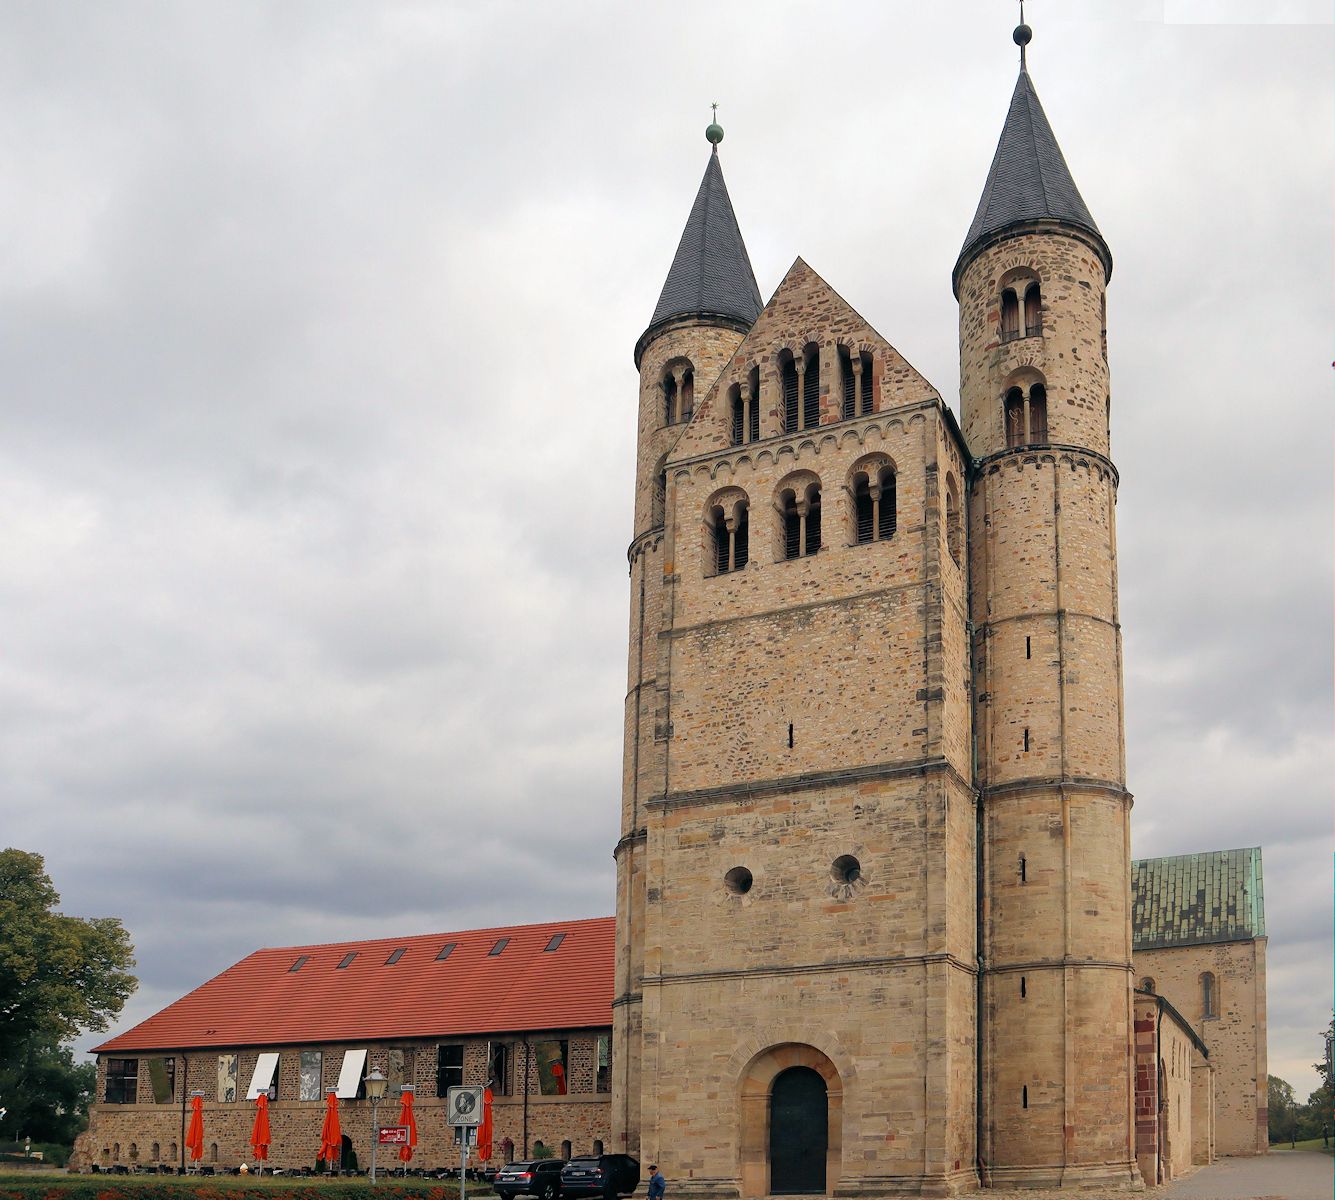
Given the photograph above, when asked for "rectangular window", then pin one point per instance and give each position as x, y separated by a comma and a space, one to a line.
498, 1068
449, 1068
346, 961
500, 945
122, 1080
350, 1086
301, 962
162, 1074
445, 951
227, 1078
263, 1078
557, 939
551, 1060
312, 1075
393, 958
603, 1063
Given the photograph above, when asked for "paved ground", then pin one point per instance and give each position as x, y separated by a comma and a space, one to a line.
1293, 1175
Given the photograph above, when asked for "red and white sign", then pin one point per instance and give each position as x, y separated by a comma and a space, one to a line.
394, 1135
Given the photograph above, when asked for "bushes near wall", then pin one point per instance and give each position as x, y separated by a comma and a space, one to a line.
100, 1187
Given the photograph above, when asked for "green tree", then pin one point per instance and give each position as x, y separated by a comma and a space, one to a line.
58, 974
46, 1093
1283, 1110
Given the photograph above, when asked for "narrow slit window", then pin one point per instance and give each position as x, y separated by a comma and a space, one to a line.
445, 951
398, 954
557, 939
1023, 989
301, 962
1024, 1096
343, 963
865, 394
1026, 739
1023, 870
500, 945
1028, 648
790, 735
738, 406
753, 433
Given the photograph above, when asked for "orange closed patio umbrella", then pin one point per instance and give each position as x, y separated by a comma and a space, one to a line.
259, 1134
331, 1134
194, 1135
484, 1129
408, 1118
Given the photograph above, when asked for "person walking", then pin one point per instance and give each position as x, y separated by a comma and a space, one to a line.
657, 1184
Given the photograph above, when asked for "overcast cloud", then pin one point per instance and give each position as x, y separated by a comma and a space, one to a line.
316, 444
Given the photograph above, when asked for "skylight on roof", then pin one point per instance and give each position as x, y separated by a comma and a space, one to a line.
301, 962
498, 947
557, 939
346, 961
445, 951
398, 954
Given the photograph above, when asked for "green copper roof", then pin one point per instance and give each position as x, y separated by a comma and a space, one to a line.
1193, 898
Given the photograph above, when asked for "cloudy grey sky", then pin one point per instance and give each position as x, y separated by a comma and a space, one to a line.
316, 449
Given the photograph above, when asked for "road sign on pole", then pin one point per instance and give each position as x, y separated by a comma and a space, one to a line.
463, 1106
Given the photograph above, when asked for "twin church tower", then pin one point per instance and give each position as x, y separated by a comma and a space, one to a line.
873, 929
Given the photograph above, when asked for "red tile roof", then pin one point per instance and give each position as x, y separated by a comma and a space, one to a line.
261, 1001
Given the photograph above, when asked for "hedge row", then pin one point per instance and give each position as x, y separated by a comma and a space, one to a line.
86, 1187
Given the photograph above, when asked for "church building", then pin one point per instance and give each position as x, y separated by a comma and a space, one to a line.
873, 899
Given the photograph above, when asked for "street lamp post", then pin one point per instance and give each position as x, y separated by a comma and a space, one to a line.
375, 1092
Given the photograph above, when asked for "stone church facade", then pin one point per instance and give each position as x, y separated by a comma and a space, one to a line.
873, 894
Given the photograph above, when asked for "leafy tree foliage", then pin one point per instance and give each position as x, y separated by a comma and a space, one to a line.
1283, 1110
58, 974
46, 1093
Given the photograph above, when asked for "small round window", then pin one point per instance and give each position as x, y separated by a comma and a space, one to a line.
846, 869
738, 881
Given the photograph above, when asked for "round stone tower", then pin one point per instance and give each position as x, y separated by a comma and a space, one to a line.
707, 305
1054, 926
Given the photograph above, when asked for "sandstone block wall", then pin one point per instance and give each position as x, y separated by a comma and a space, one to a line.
1236, 1037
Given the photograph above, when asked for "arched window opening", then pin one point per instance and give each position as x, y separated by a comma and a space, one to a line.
1014, 418
1209, 995
855, 371
954, 521
738, 409
1147, 985
731, 537
213, 1152
565, 1150
156, 1151
171, 1151
875, 506
801, 521
849, 406
864, 377
753, 414
1038, 415
1010, 316
597, 1145
811, 389
687, 394
115, 1151
788, 375
1033, 312
669, 400
134, 1151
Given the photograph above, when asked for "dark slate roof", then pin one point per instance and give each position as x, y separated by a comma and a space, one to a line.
1194, 898
1029, 179
711, 273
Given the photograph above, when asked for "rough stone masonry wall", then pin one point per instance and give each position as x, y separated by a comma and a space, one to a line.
1047, 675
861, 649
128, 1133
1236, 1037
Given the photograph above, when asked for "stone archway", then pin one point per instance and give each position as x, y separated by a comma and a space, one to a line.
756, 1102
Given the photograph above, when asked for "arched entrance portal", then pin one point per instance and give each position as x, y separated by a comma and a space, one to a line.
798, 1132
790, 1122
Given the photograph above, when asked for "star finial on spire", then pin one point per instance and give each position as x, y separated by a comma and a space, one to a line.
1023, 35
714, 134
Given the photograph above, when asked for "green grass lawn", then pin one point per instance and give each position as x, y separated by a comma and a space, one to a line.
1310, 1144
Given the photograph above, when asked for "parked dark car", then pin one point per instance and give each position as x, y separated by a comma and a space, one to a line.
541, 1177
600, 1175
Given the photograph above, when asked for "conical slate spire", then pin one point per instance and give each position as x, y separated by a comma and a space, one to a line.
1029, 180
711, 274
